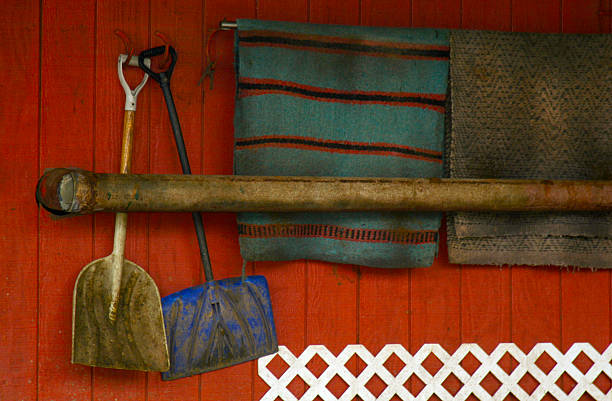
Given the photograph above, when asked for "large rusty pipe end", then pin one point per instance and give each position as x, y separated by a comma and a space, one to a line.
64, 191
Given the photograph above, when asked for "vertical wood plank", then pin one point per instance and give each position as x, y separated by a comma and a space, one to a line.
485, 312
535, 305
585, 307
235, 382
287, 280
344, 12
493, 15
65, 246
331, 311
582, 16
174, 258
384, 313
605, 16
219, 102
386, 12
486, 290
19, 114
133, 18
436, 305
585, 294
536, 16
278, 10
436, 13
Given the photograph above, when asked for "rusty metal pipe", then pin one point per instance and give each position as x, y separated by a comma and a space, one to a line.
71, 191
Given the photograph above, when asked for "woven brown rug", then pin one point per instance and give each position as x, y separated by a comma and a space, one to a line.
535, 106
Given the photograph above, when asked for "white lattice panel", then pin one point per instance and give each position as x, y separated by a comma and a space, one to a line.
434, 384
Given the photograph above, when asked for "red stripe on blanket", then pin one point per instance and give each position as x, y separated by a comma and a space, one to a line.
338, 233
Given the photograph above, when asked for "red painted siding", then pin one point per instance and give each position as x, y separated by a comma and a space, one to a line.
62, 106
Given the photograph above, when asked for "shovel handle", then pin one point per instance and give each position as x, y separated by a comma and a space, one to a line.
153, 52
163, 78
127, 142
121, 218
125, 165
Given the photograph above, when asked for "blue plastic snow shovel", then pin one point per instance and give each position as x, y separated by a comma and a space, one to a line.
221, 322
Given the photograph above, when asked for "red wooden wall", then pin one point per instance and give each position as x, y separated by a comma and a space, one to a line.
61, 105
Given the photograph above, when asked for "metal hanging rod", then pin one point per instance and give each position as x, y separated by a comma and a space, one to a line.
228, 25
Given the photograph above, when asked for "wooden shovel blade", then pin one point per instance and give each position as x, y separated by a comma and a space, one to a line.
137, 339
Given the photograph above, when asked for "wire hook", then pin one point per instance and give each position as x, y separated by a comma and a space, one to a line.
163, 65
211, 61
129, 49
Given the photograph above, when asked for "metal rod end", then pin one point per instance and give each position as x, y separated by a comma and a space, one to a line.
228, 25
63, 191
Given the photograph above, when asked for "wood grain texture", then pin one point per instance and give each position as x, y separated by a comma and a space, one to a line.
436, 13
488, 15
436, 305
68, 104
536, 16
605, 16
385, 312
582, 16
279, 10
386, 13
331, 311
344, 12
19, 114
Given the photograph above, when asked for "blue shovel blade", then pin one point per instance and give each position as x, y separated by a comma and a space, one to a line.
218, 324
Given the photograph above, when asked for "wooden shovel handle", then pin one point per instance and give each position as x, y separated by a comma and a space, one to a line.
121, 218
128, 139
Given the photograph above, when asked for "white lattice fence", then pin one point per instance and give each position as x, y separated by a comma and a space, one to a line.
564, 364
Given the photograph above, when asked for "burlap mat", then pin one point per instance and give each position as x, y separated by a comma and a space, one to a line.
530, 106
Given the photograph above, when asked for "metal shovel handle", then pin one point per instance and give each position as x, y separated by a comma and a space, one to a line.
163, 78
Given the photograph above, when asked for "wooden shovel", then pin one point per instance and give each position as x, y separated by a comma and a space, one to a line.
117, 318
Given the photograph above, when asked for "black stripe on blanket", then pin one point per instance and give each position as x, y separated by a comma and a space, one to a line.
321, 93
347, 47
352, 147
